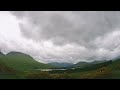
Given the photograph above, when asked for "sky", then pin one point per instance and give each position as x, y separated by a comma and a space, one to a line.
61, 36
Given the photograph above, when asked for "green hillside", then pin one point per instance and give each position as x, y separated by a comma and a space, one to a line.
94, 71
106, 70
84, 69
1, 54
115, 67
22, 62
86, 64
6, 72
16, 65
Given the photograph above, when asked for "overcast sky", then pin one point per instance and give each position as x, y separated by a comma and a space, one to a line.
61, 36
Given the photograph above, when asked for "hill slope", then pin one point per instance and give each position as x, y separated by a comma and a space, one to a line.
1, 54
86, 64
6, 72
115, 67
22, 62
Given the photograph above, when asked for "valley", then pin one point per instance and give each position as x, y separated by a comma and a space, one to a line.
16, 65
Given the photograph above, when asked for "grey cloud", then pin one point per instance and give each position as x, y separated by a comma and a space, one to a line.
57, 26
92, 30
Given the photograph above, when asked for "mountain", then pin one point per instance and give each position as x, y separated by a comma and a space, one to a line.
115, 68
85, 64
6, 72
97, 62
81, 64
105, 70
22, 62
5, 68
116, 58
1, 54
60, 64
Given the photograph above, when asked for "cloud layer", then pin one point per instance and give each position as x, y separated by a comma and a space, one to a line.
62, 36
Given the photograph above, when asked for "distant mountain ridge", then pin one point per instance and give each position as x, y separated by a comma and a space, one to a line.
79, 64
56, 64
85, 64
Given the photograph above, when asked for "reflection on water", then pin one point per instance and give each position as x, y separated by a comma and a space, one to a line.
49, 69
52, 69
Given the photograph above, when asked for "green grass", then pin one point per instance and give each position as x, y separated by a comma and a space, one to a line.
115, 66
8, 76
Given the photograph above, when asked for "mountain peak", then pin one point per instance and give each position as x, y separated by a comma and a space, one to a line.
19, 53
14, 52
